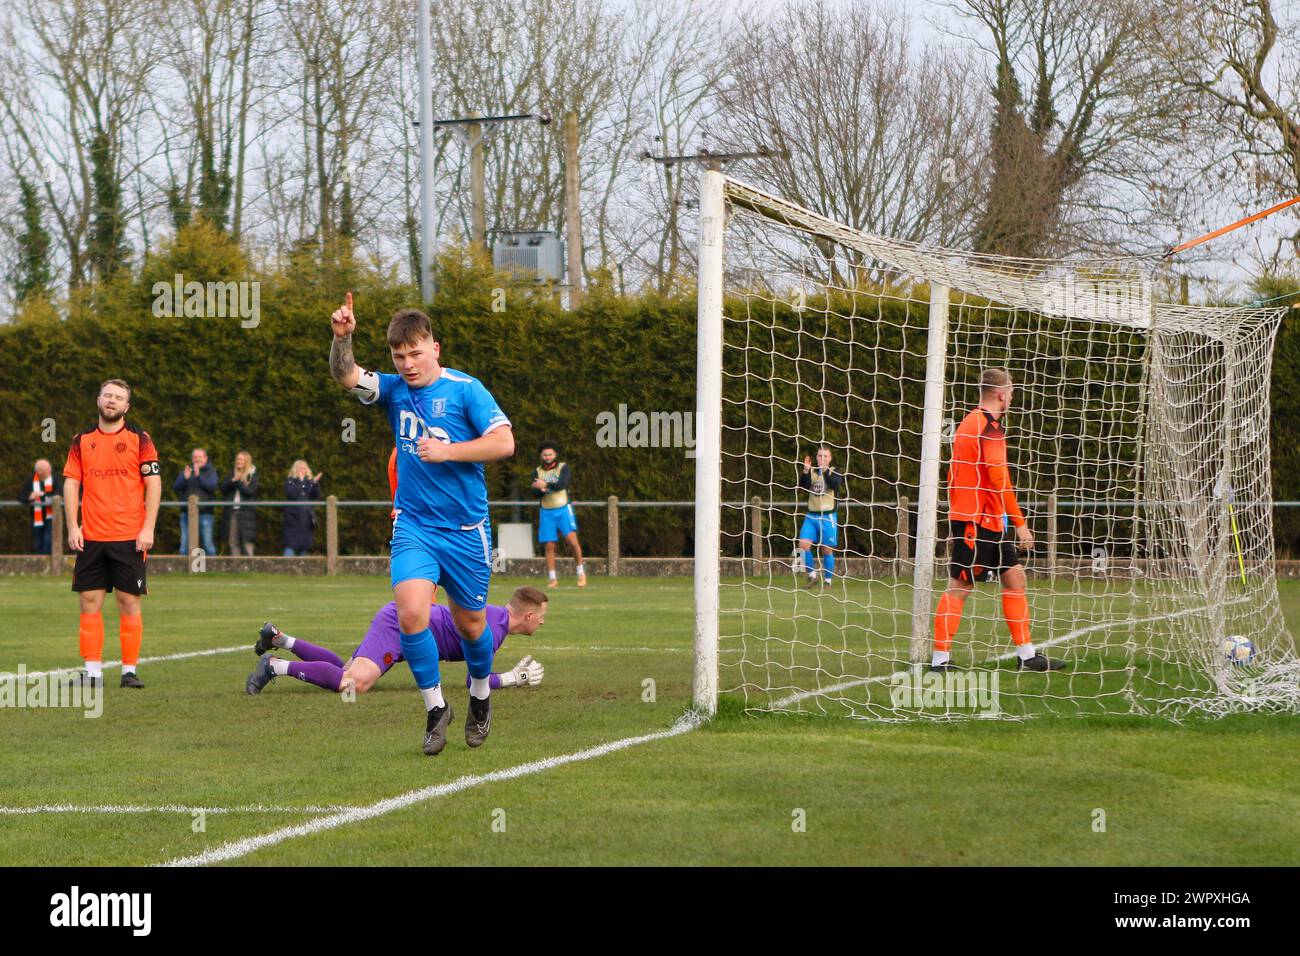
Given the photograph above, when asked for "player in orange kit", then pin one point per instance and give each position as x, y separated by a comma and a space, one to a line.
392, 483
981, 502
112, 471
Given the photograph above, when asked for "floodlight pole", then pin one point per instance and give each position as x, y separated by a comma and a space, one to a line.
428, 234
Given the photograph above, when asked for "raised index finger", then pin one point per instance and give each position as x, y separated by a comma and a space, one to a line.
349, 301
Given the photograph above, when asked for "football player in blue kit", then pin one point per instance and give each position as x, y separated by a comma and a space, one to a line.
822, 482
445, 425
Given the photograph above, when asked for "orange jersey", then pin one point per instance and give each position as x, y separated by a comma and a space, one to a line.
979, 481
392, 480
112, 467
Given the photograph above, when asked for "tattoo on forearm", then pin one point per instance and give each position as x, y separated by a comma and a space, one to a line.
341, 360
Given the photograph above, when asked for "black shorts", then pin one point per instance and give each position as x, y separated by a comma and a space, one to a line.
109, 565
994, 552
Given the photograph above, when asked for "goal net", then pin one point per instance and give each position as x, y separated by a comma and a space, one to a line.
1138, 445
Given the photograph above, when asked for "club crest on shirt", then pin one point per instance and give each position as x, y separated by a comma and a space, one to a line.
438, 407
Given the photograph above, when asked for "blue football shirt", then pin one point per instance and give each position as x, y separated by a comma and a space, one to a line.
454, 407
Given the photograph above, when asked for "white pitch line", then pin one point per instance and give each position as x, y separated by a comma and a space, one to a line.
608, 648
238, 848
166, 808
593, 648
1050, 642
144, 660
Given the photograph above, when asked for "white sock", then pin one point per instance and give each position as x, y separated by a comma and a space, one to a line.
551, 575
940, 657
283, 640
279, 668
432, 697
480, 687
581, 572
95, 668
128, 668
1025, 651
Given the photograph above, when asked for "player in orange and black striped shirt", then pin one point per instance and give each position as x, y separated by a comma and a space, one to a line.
981, 506
112, 472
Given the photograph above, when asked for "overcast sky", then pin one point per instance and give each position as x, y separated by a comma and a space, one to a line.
1227, 260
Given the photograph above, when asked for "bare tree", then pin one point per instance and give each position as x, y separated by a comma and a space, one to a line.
343, 54
1236, 66
1079, 137
204, 115
553, 56
76, 73
685, 49
870, 129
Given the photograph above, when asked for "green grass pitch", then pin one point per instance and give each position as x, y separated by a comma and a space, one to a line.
776, 789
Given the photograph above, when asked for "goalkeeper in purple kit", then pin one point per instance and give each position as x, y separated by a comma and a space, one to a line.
381, 648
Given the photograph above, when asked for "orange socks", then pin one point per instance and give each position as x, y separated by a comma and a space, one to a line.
90, 635
947, 618
1015, 607
132, 631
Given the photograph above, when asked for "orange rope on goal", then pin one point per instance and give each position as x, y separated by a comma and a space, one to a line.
1236, 225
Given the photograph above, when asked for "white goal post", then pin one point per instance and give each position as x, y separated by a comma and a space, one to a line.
1138, 443
708, 441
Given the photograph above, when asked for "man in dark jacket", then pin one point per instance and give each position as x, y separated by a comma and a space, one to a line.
38, 494
199, 478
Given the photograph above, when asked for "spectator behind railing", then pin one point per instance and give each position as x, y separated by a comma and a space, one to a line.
240, 531
199, 478
300, 520
38, 494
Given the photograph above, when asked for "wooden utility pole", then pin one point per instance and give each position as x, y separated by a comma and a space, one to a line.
612, 551
572, 211
477, 184
475, 127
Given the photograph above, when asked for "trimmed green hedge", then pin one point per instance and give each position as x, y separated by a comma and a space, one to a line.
267, 389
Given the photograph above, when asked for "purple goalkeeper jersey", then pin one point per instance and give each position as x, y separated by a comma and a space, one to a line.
383, 641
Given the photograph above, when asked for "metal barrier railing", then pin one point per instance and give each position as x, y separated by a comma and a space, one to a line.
754, 539
331, 505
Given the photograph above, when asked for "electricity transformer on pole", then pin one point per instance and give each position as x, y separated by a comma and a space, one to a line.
472, 129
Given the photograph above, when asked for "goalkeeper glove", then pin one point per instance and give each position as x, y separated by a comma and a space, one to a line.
527, 673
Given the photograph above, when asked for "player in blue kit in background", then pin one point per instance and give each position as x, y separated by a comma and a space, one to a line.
445, 425
822, 482
555, 517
